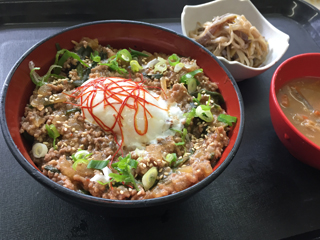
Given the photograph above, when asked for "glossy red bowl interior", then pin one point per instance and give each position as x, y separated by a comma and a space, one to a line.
304, 65
119, 34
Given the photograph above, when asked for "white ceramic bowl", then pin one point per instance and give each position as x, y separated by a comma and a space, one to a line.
278, 41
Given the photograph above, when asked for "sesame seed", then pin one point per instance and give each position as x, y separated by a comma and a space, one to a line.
130, 190
39, 95
180, 157
58, 121
161, 176
121, 192
46, 109
198, 170
205, 136
160, 169
221, 135
65, 129
46, 99
155, 163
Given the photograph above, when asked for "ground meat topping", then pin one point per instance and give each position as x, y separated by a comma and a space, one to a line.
175, 162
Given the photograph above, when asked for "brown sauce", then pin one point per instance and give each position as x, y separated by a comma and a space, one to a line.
300, 102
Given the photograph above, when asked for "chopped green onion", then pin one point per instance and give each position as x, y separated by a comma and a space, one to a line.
227, 119
178, 67
113, 64
124, 55
171, 158
80, 161
39, 81
135, 53
135, 66
97, 164
65, 55
95, 56
39, 150
53, 133
149, 178
161, 66
198, 99
192, 84
204, 112
182, 160
184, 78
190, 115
180, 143
81, 156
173, 59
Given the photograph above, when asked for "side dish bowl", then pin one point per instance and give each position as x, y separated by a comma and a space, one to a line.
277, 40
18, 88
303, 65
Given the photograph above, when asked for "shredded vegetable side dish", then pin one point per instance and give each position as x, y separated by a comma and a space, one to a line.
233, 37
124, 124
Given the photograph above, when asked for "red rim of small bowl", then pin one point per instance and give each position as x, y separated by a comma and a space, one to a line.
274, 97
68, 194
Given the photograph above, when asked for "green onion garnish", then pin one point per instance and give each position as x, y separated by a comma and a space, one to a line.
53, 133
161, 66
80, 157
65, 55
190, 115
135, 66
97, 164
95, 56
135, 53
184, 78
171, 158
124, 55
204, 112
173, 59
227, 119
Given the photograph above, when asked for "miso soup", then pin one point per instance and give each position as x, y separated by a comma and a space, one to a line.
300, 102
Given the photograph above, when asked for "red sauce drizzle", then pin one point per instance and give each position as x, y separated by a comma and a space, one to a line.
115, 93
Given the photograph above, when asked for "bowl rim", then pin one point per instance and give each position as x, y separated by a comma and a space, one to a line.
70, 194
275, 100
285, 36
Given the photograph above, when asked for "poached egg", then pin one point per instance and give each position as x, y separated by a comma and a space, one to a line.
136, 116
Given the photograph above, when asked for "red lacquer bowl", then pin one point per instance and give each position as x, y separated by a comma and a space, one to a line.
304, 65
119, 34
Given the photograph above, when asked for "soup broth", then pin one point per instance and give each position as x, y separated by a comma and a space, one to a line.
300, 102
